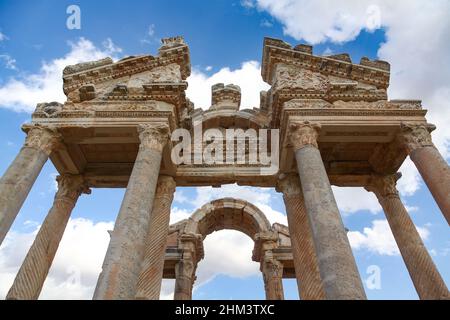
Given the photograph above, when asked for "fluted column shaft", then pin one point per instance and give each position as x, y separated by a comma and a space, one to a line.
337, 265
306, 266
149, 283
272, 271
20, 176
184, 278
33, 272
433, 168
424, 274
125, 253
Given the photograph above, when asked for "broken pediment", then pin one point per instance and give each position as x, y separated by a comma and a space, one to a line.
102, 79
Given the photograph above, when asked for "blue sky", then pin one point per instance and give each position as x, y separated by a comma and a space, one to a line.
225, 40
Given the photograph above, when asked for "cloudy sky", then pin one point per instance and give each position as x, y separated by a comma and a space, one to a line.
225, 40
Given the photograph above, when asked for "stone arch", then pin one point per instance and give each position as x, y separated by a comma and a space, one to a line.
228, 213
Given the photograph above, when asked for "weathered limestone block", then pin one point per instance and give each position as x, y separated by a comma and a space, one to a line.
33, 272
433, 168
337, 265
123, 260
149, 283
272, 271
305, 260
20, 176
184, 277
287, 76
424, 274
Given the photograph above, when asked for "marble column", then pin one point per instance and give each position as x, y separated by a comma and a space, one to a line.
33, 272
272, 271
184, 277
123, 260
20, 176
149, 283
433, 168
424, 274
337, 265
306, 266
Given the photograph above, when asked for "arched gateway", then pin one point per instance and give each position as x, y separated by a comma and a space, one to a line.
128, 124
185, 244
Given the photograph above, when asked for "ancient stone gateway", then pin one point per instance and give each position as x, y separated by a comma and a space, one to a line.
326, 121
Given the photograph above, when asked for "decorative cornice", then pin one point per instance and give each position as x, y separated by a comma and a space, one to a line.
46, 139
303, 134
175, 51
415, 136
153, 136
70, 187
276, 51
384, 185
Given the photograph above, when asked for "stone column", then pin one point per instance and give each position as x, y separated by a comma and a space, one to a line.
424, 274
272, 271
33, 272
337, 265
18, 179
306, 266
184, 277
433, 168
123, 260
149, 283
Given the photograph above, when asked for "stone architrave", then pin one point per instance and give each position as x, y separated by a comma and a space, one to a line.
123, 260
337, 265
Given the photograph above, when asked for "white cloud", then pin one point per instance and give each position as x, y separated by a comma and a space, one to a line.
379, 239
248, 77
208, 68
351, 200
3, 36
227, 252
23, 93
10, 63
76, 266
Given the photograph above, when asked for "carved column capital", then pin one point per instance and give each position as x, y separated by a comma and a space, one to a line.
415, 136
42, 138
165, 187
304, 133
289, 185
71, 187
384, 186
153, 136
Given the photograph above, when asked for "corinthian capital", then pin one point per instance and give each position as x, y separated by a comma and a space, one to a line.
415, 136
303, 134
166, 186
71, 186
42, 138
153, 136
289, 185
384, 186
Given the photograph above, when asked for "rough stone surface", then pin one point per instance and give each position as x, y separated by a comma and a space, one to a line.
18, 179
305, 260
424, 274
31, 276
149, 283
123, 260
273, 275
337, 265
